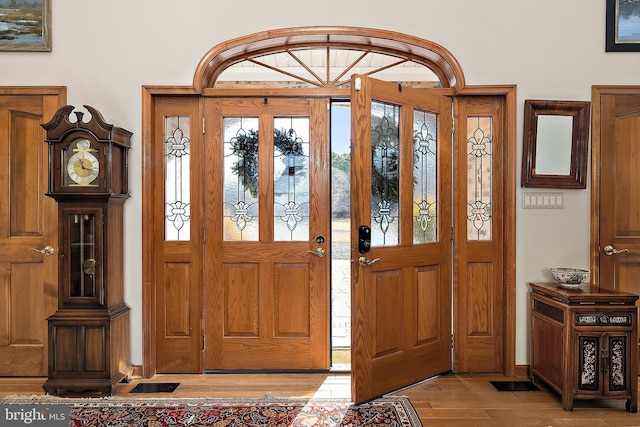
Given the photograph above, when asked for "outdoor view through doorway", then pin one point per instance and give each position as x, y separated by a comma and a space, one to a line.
340, 236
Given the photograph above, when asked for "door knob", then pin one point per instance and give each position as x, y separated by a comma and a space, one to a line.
318, 252
48, 250
610, 250
364, 261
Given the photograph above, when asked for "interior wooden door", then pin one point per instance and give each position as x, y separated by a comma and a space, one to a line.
267, 247
28, 222
401, 189
616, 187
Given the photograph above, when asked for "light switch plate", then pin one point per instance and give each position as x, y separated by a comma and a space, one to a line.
536, 200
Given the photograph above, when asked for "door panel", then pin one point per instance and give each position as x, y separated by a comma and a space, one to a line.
176, 234
479, 234
619, 181
267, 287
616, 188
401, 188
28, 219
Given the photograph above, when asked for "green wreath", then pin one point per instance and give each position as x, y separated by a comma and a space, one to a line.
245, 146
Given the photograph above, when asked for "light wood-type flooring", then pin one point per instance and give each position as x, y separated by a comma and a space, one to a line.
448, 400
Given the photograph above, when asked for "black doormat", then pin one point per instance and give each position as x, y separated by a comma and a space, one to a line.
514, 385
155, 388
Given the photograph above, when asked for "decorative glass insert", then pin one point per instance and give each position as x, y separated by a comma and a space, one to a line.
82, 255
479, 179
291, 178
177, 167
241, 178
385, 173
425, 185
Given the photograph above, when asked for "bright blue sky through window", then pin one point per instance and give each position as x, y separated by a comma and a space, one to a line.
341, 128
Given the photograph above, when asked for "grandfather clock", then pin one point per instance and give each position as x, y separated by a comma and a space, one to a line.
89, 348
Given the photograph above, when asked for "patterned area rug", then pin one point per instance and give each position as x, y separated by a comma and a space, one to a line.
116, 412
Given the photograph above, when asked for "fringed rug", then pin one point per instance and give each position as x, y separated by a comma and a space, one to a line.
116, 412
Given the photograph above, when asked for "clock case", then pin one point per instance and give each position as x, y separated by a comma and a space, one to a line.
89, 334
111, 142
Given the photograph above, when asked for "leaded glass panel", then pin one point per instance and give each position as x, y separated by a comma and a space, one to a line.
291, 178
479, 177
385, 173
425, 185
241, 178
177, 168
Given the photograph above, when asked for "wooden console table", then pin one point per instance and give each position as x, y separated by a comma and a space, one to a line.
584, 342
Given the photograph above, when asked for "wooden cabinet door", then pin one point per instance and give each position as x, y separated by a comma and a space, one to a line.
401, 188
28, 219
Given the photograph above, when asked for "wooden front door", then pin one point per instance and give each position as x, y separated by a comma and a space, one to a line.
227, 291
267, 217
401, 190
28, 222
616, 188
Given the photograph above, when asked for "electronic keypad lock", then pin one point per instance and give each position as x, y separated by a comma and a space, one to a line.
364, 239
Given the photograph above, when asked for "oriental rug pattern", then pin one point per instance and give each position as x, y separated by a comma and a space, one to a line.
117, 412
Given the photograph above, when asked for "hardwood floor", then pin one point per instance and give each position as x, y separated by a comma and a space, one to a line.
449, 400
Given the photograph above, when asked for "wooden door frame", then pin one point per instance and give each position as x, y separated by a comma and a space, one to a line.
508, 92
227, 53
597, 91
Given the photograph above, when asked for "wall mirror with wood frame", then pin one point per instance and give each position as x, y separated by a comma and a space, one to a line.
555, 144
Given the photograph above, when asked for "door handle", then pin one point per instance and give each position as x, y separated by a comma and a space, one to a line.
318, 252
48, 250
610, 250
364, 261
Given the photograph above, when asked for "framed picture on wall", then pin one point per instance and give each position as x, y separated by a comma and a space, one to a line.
25, 25
623, 26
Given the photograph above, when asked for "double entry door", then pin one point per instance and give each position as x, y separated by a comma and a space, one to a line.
259, 200
267, 260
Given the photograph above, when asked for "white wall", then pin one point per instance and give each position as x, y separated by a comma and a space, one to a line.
105, 51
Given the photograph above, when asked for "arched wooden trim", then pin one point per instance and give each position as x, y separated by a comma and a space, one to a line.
425, 52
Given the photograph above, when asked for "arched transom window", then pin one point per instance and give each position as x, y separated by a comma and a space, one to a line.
321, 57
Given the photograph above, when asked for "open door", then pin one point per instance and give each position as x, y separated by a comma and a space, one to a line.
401, 179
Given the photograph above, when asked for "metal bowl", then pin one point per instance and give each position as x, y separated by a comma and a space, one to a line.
569, 276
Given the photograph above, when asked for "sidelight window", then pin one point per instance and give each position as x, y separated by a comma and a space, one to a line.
177, 155
479, 176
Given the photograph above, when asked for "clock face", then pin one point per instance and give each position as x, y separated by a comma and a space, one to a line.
83, 166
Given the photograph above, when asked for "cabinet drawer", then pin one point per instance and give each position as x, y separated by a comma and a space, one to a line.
600, 318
